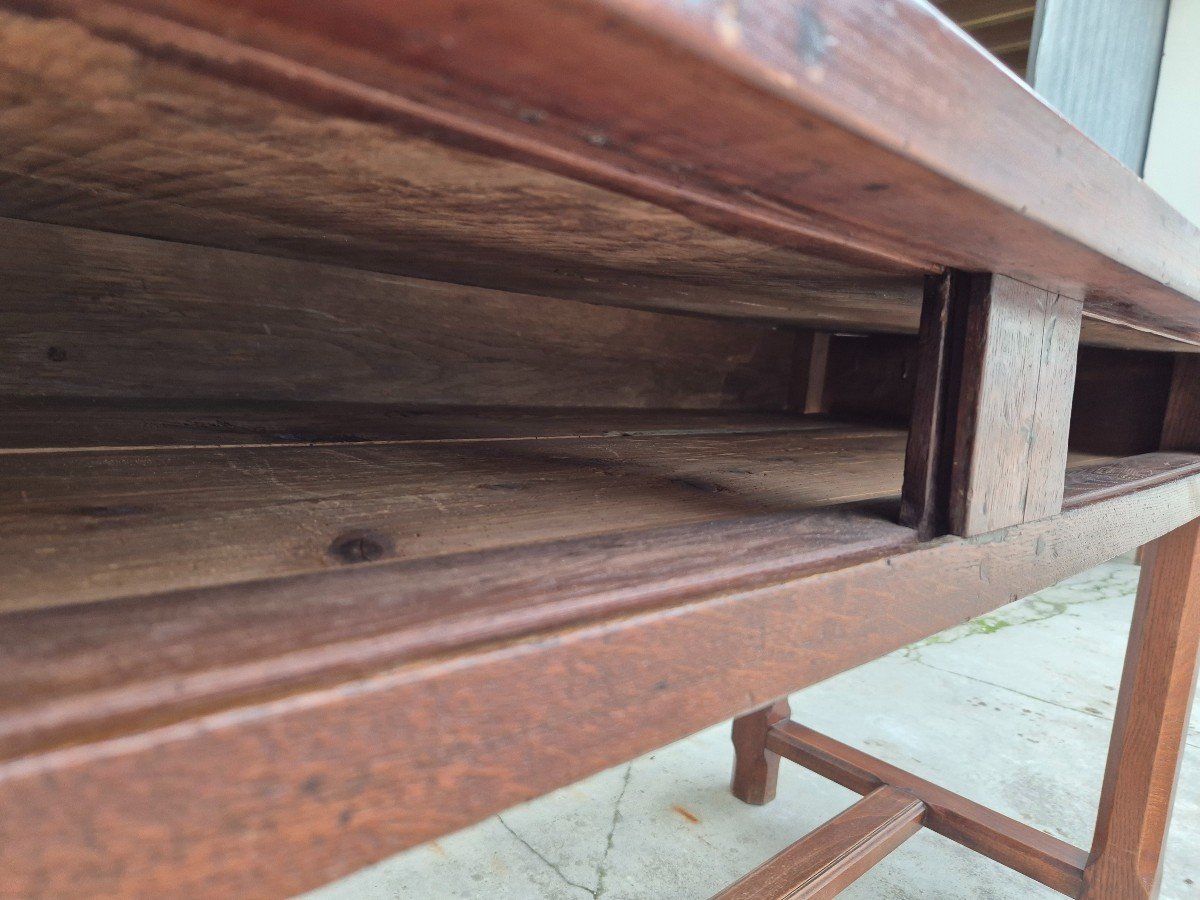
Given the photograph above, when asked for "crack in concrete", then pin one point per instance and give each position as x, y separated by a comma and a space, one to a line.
555, 869
1113, 585
602, 869
1012, 690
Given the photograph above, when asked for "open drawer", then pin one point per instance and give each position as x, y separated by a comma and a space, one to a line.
330, 544
403, 414
181, 417
90, 524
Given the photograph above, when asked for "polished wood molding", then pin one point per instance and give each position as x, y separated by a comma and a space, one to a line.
1034, 853
823, 863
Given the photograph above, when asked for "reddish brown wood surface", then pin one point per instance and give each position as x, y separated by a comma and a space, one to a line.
342, 724
82, 525
755, 768
1036, 854
695, 107
111, 316
1150, 723
990, 423
827, 861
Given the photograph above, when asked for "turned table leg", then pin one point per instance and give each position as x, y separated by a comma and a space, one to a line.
1150, 723
755, 768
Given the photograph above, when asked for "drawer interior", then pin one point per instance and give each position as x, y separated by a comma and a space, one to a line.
179, 417
92, 523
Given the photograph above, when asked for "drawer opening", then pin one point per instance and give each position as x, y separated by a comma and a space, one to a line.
179, 417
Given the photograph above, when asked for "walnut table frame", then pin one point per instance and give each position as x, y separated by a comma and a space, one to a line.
410, 408
1135, 806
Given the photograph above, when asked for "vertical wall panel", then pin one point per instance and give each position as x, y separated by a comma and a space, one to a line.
1097, 62
1173, 154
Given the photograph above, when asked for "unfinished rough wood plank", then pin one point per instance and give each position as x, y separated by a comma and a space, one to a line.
374, 738
756, 769
48, 424
102, 315
992, 402
1036, 854
824, 863
925, 501
79, 526
665, 101
296, 490
365, 186
1150, 723
1014, 405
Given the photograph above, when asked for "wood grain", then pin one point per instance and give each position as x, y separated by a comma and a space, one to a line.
101, 315
1150, 722
363, 748
1014, 405
85, 425
925, 498
756, 769
1099, 333
217, 647
1007, 36
828, 860
430, 606
973, 13
681, 105
80, 526
1038, 855
809, 370
194, 159
1105, 480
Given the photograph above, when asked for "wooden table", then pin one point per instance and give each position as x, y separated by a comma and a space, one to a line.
412, 408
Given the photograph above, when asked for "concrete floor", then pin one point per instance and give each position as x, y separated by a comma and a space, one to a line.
1013, 710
